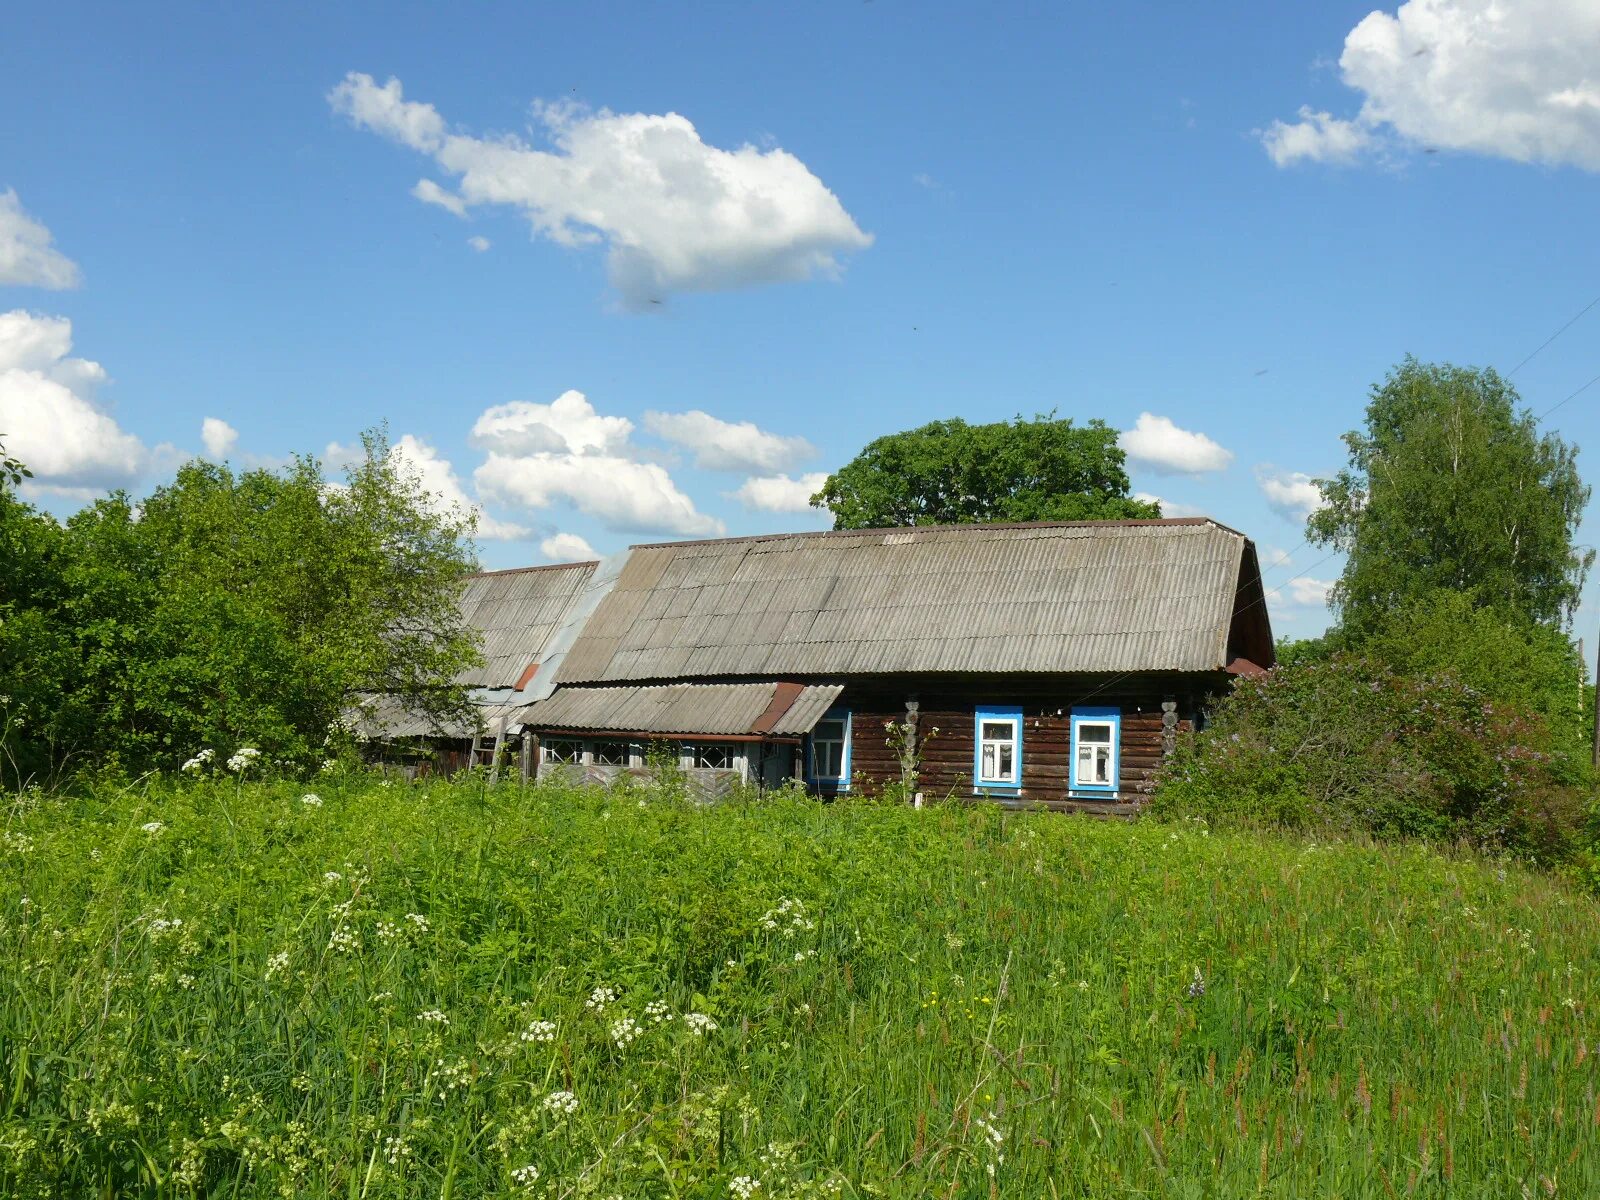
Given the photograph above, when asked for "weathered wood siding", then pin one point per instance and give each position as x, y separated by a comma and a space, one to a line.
946, 725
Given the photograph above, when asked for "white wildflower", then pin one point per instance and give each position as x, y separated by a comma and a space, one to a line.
243, 758
699, 1024
198, 761
152, 827
387, 931
433, 1016
162, 925
562, 1104
599, 998
278, 963
331, 877
625, 1032
657, 1012
525, 1176
311, 800
344, 941
539, 1031
743, 1186
419, 921
394, 1149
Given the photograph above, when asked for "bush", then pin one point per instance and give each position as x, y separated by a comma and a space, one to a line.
1348, 744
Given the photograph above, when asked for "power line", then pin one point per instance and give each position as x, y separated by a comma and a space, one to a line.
1573, 396
1553, 337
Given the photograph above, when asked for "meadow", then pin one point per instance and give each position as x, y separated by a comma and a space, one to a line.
365, 989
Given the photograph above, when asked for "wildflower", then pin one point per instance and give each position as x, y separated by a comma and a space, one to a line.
387, 931
152, 827
277, 963
743, 1186
331, 877
699, 1024
162, 925
1197, 985
562, 1104
433, 1016
539, 1031
199, 760
625, 1032
657, 1012
525, 1176
801, 955
186, 981
599, 998
243, 758
330, 764
394, 1149
419, 921
344, 941
311, 800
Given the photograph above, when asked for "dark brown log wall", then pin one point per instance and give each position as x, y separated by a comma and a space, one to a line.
947, 729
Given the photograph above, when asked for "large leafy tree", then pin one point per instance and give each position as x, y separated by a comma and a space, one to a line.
1451, 485
241, 609
950, 472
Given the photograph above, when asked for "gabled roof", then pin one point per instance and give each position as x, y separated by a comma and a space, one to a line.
1095, 596
516, 612
772, 709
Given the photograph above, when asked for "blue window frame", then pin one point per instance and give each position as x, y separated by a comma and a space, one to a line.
828, 751
997, 749
1096, 750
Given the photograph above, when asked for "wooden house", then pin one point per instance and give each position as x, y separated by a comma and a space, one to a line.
1047, 664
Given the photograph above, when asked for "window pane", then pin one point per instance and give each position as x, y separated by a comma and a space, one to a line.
1094, 733
1007, 768
830, 760
829, 731
611, 754
561, 750
988, 761
1102, 766
997, 731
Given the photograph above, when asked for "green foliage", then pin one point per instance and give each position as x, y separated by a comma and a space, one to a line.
1451, 487
1347, 745
391, 992
227, 610
950, 472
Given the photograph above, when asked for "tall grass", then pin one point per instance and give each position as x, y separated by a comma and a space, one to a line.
215, 990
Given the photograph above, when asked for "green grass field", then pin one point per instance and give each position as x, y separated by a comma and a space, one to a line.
453, 991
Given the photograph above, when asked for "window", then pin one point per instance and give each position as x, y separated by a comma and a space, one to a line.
1096, 736
561, 750
997, 750
829, 759
711, 754
611, 754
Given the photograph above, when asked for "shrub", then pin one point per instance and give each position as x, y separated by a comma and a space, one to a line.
1348, 744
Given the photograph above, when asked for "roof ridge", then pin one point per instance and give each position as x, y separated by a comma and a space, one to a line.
964, 527
588, 562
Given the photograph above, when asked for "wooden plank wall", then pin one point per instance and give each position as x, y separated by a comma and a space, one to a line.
946, 768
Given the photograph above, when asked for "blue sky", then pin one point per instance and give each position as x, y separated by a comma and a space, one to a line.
863, 217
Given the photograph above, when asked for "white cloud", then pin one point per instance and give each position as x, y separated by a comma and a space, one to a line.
565, 451
1169, 508
430, 192
218, 437
1305, 592
567, 547
480, 244
1273, 557
726, 446
438, 479
567, 425
1517, 81
49, 418
676, 214
27, 258
1316, 137
1290, 494
1155, 442
780, 493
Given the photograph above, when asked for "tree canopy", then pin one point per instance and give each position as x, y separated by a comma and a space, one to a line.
950, 473
227, 609
1451, 485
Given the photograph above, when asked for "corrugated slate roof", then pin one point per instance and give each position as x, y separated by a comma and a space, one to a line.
516, 612
682, 708
1057, 597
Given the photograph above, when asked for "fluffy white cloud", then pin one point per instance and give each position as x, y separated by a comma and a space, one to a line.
26, 256
1170, 508
567, 425
1155, 442
1290, 494
49, 418
565, 451
780, 493
218, 437
480, 244
567, 547
1316, 137
726, 446
676, 214
1517, 81
624, 494
1307, 592
430, 192
438, 479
